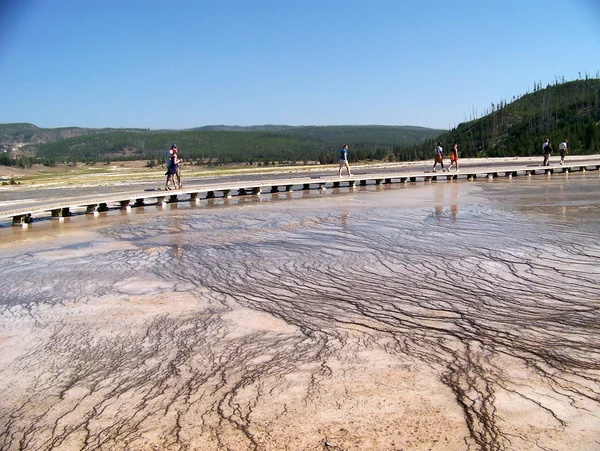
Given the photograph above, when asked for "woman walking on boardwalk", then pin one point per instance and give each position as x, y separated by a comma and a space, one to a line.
344, 160
453, 157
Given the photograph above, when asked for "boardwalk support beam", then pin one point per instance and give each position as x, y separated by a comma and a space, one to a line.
22, 220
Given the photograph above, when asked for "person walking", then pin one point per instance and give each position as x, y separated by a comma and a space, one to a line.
454, 157
547, 151
563, 148
438, 157
170, 154
173, 170
344, 160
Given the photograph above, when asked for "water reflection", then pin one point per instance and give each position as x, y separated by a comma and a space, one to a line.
344, 220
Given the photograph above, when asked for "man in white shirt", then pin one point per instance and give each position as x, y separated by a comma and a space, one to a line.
439, 157
563, 148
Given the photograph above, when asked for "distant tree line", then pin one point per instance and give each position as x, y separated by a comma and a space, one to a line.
24, 162
218, 147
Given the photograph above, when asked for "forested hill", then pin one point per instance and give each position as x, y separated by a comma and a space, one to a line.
566, 110
215, 144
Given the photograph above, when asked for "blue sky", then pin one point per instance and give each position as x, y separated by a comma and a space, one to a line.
182, 64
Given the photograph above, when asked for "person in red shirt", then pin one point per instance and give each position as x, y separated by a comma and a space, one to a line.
454, 157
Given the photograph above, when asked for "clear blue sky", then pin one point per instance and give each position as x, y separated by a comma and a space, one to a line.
182, 64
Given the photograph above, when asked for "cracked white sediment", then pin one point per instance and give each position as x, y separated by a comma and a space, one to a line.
464, 319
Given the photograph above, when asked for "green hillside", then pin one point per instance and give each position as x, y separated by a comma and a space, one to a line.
221, 146
566, 110
215, 144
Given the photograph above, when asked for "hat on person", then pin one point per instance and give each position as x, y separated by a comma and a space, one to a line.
174, 146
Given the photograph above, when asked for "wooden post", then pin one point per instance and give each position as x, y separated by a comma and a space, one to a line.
194, 197
22, 220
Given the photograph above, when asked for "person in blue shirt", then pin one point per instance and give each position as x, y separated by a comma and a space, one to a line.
170, 154
344, 160
173, 170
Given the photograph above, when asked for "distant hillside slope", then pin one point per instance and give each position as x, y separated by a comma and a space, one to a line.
218, 144
23, 135
567, 110
26, 136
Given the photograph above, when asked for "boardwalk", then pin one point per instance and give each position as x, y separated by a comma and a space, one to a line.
94, 204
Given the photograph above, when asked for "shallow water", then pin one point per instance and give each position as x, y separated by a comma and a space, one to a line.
467, 312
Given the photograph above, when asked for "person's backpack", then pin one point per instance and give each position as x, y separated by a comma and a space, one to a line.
169, 159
